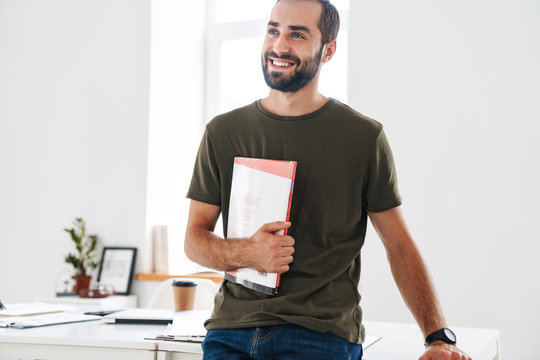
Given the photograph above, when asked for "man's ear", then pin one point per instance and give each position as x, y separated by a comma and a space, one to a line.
329, 50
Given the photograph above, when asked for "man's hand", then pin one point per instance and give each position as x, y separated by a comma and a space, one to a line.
442, 351
264, 251
268, 252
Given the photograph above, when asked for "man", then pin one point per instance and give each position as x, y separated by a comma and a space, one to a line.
345, 173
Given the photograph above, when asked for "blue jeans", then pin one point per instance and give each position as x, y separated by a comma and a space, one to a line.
282, 342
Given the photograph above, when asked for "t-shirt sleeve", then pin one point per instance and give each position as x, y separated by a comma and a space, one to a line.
381, 186
205, 183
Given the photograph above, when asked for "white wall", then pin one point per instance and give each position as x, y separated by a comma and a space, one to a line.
453, 82
73, 132
457, 86
176, 119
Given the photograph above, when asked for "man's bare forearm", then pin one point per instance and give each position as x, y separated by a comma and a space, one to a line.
207, 249
416, 287
413, 281
409, 271
263, 251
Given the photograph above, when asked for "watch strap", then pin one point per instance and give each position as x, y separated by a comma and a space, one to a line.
446, 335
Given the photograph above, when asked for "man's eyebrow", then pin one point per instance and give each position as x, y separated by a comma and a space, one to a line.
291, 27
300, 28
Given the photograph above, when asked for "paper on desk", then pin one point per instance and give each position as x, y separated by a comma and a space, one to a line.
23, 322
370, 340
188, 323
29, 309
187, 326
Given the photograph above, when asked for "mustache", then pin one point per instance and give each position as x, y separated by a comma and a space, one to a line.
289, 57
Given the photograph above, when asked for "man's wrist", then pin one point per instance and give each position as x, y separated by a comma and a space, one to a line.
438, 343
444, 335
237, 253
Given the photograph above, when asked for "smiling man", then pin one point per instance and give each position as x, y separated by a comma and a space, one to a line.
345, 174
286, 72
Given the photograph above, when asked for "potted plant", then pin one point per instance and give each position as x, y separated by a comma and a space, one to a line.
84, 259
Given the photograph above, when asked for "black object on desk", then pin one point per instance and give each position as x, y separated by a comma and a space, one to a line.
140, 316
101, 312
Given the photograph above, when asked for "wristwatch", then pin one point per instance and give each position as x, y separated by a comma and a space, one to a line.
444, 334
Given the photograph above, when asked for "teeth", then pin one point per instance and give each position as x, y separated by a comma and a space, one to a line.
283, 64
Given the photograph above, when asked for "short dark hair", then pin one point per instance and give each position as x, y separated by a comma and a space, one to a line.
328, 22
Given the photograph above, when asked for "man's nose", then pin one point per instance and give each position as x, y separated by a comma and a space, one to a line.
281, 45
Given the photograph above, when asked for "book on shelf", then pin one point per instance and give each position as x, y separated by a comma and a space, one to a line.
261, 193
160, 256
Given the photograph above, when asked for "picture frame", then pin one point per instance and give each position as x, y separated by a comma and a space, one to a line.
117, 268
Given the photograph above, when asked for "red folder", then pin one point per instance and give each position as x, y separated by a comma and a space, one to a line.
261, 192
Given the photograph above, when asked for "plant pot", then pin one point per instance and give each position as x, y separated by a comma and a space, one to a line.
81, 283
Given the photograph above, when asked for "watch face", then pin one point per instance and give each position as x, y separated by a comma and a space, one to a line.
449, 334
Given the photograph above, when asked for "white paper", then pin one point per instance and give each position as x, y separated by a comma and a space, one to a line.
27, 309
189, 323
257, 198
45, 320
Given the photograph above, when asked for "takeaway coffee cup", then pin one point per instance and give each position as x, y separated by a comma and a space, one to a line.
184, 294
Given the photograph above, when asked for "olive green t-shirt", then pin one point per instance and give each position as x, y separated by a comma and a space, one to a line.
344, 169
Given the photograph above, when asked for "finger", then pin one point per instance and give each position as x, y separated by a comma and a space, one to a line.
275, 226
286, 251
287, 260
283, 269
281, 252
282, 265
286, 240
290, 250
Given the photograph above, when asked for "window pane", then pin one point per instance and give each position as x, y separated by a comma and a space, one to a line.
242, 10
333, 81
341, 4
242, 79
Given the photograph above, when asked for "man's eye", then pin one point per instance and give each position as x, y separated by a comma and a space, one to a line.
272, 31
297, 36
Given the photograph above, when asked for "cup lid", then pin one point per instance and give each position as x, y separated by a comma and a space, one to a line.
183, 283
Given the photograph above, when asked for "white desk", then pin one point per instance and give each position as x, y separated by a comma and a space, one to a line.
85, 341
405, 341
96, 340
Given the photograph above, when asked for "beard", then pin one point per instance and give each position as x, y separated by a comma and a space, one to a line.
305, 71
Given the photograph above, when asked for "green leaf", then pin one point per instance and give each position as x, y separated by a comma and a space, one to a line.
86, 248
72, 259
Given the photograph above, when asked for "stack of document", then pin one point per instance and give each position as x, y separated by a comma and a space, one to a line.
187, 326
140, 316
30, 315
261, 192
29, 309
24, 322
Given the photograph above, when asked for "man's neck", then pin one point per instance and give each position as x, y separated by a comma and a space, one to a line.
301, 102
